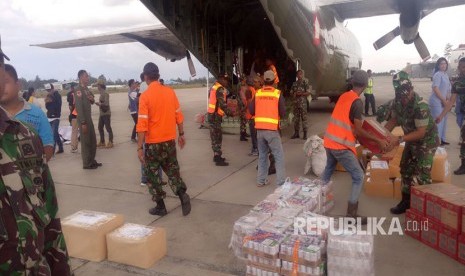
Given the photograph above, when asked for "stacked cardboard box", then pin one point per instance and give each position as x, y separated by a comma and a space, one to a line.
436, 218
266, 239
377, 181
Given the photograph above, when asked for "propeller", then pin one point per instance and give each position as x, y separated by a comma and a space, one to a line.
385, 39
406, 32
421, 48
190, 64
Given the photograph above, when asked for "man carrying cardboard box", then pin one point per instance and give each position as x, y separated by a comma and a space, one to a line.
341, 134
412, 113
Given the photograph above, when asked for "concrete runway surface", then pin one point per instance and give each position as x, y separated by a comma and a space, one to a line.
198, 243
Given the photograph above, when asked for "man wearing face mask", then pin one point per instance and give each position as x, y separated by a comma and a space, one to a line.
421, 139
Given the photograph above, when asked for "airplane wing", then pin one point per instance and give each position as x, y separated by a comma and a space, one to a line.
157, 38
348, 9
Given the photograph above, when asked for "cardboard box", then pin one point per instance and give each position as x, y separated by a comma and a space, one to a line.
413, 221
433, 197
418, 195
136, 245
381, 189
441, 166
448, 242
461, 249
397, 188
430, 234
85, 233
379, 171
451, 211
376, 129
397, 131
394, 171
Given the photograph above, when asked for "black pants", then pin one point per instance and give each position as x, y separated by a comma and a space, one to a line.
370, 100
134, 118
105, 120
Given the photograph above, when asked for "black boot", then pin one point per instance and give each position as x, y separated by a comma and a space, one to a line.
160, 209
243, 137
352, 209
219, 161
305, 135
214, 158
296, 135
461, 169
185, 203
403, 205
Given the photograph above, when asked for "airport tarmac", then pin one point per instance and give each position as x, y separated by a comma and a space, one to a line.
198, 243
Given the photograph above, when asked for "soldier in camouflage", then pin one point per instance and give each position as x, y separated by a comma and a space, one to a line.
458, 90
242, 105
215, 118
300, 90
412, 113
159, 114
31, 240
84, 100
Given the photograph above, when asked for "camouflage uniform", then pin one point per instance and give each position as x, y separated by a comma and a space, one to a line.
459, 88
215, 120
163, 155
31, 239
84, 115
417, 158
384, 112
300, 104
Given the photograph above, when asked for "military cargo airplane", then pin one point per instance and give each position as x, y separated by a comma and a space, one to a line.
231, 36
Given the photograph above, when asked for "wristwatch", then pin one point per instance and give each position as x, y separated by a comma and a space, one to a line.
401, 139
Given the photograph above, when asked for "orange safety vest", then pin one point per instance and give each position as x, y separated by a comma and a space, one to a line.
267, 108
212, 100
249, 116
340, 132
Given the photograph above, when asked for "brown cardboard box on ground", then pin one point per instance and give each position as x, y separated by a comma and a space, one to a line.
394, 171
136, 245
380, 188
440, 172
379, 171
397, 188
85, 232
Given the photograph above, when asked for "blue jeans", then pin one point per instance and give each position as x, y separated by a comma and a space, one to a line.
54, 125
270, 140
349, 161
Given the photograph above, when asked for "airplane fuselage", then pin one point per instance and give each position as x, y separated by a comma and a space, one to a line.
298, 30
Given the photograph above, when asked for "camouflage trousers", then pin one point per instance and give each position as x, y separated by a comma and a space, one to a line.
462, 144
162, 155
216, 133
300, 113
243, 125
415, 166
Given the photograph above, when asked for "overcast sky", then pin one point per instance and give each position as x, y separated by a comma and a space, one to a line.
25, 22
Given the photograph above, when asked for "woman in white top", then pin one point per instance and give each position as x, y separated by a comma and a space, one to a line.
440, 96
